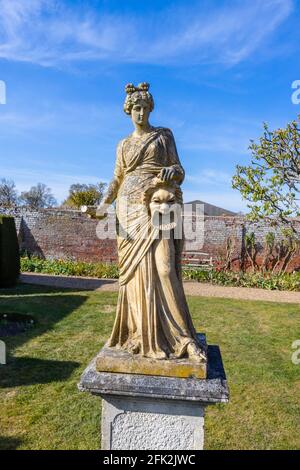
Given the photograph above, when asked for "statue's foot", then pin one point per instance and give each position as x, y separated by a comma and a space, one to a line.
158, 355
195, 353
133, 347
161, 355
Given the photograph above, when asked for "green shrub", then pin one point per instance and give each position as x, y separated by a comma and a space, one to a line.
69, 267
9, 252
267, 280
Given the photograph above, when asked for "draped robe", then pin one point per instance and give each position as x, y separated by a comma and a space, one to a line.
152, 317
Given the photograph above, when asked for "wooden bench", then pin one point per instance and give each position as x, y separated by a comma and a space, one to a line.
197, 260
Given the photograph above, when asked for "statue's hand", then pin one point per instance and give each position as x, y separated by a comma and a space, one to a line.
101, 211
90, 211
95, 212
167, 173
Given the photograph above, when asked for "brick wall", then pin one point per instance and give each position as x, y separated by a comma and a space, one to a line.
62, 234
70, 234
218, 230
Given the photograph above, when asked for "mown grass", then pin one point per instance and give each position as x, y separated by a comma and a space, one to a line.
42, 408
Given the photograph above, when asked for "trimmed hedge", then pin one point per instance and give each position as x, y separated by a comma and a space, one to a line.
9, 252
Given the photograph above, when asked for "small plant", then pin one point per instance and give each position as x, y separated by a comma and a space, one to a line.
278, 255
251, 249
268, 251
287, 248
230, 244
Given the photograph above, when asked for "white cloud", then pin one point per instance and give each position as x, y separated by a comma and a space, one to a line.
209, 177
58, 182
49, 33
217, 141
223, 135
213, 186
84, 119
225, 35
16, 122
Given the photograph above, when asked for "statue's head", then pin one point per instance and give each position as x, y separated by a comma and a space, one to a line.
138, 103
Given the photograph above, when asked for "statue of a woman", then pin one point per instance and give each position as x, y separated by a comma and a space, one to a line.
152, 318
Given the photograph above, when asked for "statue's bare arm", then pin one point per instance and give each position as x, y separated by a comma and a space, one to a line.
111, 194
109, 197
113, 187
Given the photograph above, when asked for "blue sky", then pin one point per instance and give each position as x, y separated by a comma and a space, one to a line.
217, 70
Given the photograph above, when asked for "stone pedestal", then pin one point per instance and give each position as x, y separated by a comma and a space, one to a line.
147, 412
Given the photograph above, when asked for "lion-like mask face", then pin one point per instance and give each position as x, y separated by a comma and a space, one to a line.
164, 208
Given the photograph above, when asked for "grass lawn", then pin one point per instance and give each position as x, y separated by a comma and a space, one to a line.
41, 407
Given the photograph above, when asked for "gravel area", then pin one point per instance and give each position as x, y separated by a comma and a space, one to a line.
190, 287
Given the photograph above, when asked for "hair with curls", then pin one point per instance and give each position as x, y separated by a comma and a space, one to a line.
135, 94
156, 184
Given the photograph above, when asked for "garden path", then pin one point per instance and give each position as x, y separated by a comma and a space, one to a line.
191, 288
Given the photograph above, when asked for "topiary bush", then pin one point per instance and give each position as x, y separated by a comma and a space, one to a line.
9, 252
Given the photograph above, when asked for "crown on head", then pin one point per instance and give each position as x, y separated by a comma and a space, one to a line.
131, 88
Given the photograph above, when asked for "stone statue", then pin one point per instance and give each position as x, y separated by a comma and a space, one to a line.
152, 318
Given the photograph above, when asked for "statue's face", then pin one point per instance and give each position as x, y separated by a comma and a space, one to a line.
140, 113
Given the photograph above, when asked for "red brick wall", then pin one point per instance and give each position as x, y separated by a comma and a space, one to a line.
70, 234
63, 234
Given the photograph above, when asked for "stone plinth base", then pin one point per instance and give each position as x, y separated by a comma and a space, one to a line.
120, 361
146, 412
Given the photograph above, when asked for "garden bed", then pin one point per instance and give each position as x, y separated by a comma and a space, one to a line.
267, 280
